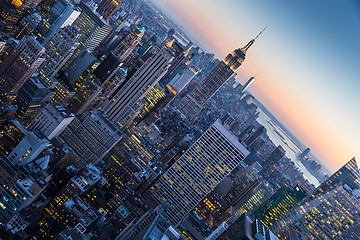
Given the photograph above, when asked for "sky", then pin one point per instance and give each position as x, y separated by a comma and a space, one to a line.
307, 62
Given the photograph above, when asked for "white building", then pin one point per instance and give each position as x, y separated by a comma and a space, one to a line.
198, 171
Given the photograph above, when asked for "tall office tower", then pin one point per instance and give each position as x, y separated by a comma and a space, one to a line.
107, 8
29, 99
8, 175
252, 138
59, 49
331, 210
304, 153
271, 162
192, 103
61, 14
198, 171
91, 136
18, 67
92, 29
151, 99
51, 121
11, 11
124, 105
45, 6
246, 228
107, 68
279, 204
246, 85
27, 25
91, 84
80, 64
128, 43
179, 82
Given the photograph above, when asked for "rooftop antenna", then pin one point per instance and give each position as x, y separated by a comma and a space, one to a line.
260, 33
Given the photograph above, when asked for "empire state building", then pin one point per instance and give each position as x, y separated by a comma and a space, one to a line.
192, 103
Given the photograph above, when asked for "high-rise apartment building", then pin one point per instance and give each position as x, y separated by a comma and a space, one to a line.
18, 67
128, 43
51, 121
59, 49
124, 104
331, 210
192, 103
198, 171
107, 8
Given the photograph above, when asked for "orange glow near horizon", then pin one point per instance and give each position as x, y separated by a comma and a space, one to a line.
283, 100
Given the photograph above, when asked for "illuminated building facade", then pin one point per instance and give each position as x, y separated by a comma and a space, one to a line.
248, 199
124, 105
18, 67
60, 15
107, 8
179, 82
150, 100
198, 171
279, 204
91, 136
128, 44
11, 135
330, 211
59, 49
271, 163
51, 121
92, 29
192, 103
15, 198
28, 101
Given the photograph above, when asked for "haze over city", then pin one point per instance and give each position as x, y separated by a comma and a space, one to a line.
179, 120
306, 62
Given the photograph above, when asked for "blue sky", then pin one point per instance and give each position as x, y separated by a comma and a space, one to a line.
307, 62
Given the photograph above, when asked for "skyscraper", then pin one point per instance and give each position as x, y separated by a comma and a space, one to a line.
29, 99
197, 172
18, 67
59, 49
128, 43
51, 121
247, 84
107, 8
124, 104
92, 29
271, 162
91, 136
279, 204
329, 211
61, 14
192, 103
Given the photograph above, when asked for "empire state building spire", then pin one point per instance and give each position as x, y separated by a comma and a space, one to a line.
247, 46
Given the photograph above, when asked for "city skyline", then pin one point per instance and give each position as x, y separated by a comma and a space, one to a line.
317, 104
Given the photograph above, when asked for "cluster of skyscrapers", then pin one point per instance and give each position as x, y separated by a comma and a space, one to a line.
111, 128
